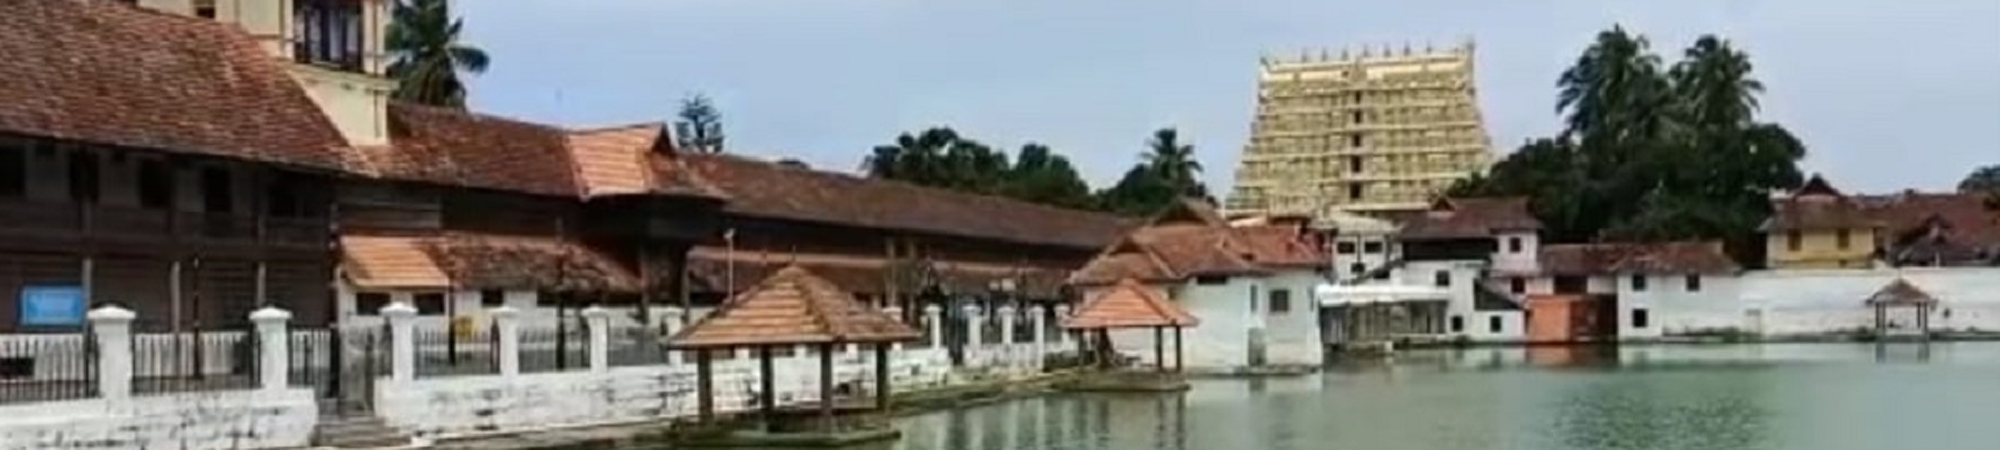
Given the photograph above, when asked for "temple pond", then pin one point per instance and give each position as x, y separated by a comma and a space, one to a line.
1774, 396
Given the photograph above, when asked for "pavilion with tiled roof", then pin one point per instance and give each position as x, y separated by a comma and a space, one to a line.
1130, 304
1900, 293
791, 307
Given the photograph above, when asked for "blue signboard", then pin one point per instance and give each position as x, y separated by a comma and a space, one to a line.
52, 305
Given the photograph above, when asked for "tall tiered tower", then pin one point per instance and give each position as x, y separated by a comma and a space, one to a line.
1382, 130
336, 50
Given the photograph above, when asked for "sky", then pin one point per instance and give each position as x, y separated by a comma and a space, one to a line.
1887, 95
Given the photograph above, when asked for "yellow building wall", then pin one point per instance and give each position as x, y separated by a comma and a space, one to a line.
1820, 249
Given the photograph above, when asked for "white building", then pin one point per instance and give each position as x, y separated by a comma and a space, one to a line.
1451, 247
1250, 285
1625, 291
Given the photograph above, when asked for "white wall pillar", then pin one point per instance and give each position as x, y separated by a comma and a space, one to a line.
274, 347
507, 323
934, 316
674, 320
1062, 314
597, 322
402, 340
1008, 356
113, 328
1040, 320
973, 341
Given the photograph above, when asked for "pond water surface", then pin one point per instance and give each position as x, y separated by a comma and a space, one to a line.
1778, 396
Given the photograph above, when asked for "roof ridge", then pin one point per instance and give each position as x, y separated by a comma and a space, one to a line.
901, 184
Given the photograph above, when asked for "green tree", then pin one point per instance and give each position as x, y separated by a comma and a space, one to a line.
940, 157
426, 56
1982, 180
1173, 163
1140, 192
1648, 154
700, 127
1041, 176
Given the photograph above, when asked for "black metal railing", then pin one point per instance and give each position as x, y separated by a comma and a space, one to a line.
636, 346
554, 348
456, 350
47, 367
194, 362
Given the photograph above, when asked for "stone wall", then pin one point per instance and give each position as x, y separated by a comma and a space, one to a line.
227, 420
1807, 302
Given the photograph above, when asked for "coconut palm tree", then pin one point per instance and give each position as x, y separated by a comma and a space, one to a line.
426, 55
1173, 162
1714, 86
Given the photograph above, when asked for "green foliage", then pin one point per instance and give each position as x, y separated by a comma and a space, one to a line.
1982, 180
425, 56
940, 157
1652, 154
1166, 171
700, 127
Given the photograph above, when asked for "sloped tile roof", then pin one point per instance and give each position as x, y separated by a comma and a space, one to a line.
1459, 218
390, 262
709, 271
1648, 258
1936, 227
769, 190
613, 161
456, 148
1817, 206
115, 74
482, 261
792, 306
1900, 293
1190, 240
1129, 304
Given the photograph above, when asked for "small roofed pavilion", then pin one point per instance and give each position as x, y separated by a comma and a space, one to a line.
791, 307
1902, 294
1130, 304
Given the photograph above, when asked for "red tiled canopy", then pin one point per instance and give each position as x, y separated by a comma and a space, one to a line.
792, 306
1129, 305
1901, 293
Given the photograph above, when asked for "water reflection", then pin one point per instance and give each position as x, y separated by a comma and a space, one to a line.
1065, 422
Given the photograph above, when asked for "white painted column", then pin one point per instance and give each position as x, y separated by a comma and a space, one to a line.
934, 316
402, 340
113, 328
1040, 321
507, 323
675, 318
597, 322
974, 343
1008, 356
274, 347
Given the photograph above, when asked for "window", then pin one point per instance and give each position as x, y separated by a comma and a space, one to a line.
329, 33
1571, 285
429, 304
284, 198
1354, 141
1694, 283
1518, 285
1493, 324
1513, 244
156, 185
217, 194
1354, 191
492, 298
83, 181
204, 9
1354, 164
13, 171
1639, 282
1281, 301
1357, 118
370, 303
1457, 324
1344, 248
1358, 268
1442, 278
1792, 240
1211, 280
1841, 238
548, 299
1640, 318
1371, 247
1382, 275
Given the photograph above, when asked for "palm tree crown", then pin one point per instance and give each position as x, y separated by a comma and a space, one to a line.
1173, 162
426, 55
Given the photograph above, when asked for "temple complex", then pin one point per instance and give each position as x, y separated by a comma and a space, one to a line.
1369, 130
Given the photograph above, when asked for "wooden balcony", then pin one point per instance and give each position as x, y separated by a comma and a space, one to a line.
62, 223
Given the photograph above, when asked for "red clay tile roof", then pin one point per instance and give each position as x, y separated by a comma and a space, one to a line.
1620, 258
1965, 223
390, 262
769, 190
709, 271
477, 261
1189, 240
792, 306
1900, 293
456, 148
1129, 304
1817, 206
1458, 218
114, 74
